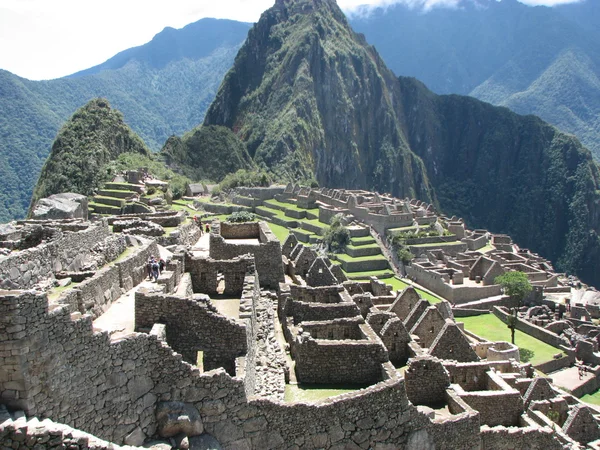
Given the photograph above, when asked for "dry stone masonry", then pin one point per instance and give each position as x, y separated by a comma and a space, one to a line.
214, 348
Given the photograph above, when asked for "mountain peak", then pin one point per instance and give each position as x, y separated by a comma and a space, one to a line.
310, 99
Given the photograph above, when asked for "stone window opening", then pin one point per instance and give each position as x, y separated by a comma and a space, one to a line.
221, 283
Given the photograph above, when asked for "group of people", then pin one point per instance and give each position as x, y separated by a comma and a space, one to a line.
155, 267
198, 222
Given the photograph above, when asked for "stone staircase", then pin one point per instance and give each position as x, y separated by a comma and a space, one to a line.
31, 433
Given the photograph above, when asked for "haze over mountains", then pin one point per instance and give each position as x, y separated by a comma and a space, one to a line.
162, 88
534, 60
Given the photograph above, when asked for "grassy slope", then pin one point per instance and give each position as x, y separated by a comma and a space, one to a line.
491, 328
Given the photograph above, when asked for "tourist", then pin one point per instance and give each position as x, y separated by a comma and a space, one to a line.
207, 228
155, 269
161, 265
149, 266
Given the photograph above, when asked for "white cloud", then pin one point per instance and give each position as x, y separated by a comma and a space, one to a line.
43, 39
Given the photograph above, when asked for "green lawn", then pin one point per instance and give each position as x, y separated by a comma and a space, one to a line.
348, 258
594, 398
279, 231
385, 275
316, 392
439, 244
489, 327
399, 285
487, 248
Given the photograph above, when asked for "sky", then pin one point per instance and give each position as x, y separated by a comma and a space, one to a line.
46, 39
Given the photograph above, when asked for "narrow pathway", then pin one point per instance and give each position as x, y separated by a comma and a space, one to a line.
200, 248
119, 319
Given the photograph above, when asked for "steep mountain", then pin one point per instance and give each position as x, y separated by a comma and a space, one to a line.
534, 60
163, 88
309, 97
93, 137
207, 153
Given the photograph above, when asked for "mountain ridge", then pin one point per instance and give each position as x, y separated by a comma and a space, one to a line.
157, 103
319, 97
504, 59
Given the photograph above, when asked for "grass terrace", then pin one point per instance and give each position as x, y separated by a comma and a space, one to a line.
399, 285
315, 392
489, 327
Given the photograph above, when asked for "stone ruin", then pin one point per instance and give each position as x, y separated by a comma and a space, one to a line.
205, 355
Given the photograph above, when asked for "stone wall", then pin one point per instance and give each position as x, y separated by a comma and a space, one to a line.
204, 273
193, 325
324, 294
185, 234
454, 294
302, 311
267, 254
265, 362
426, 381
533, 330
495, 407
132, 269
24, 269
34, 434
337, 329
61, 369
532, 438
262, 193
566, 360
339, 361
96, 294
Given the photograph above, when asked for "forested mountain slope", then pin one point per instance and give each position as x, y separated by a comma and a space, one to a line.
310, 98
534, 60
163, 88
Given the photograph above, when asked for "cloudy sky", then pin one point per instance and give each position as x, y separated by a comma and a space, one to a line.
44, 39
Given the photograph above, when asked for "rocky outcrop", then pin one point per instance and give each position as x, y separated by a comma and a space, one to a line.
61, 206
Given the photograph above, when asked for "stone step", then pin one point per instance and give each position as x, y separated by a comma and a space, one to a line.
358, 232
104, 209
365, 265
139, 188
312, 228
356, 252
311, 216
111, 201
115, 193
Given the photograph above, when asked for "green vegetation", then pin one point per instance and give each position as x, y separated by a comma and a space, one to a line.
315, 392
594, 398
244, 178
280, 232
533, 61
209, 152
83, 149
491, 328
337, 236
188, 65
241, 216
517, 286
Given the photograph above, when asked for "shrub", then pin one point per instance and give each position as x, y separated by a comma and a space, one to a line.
337, 235
249, 178
241, 216
405, 255
526, 354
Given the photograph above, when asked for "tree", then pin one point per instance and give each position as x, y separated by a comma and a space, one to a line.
337, 236
517, 286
